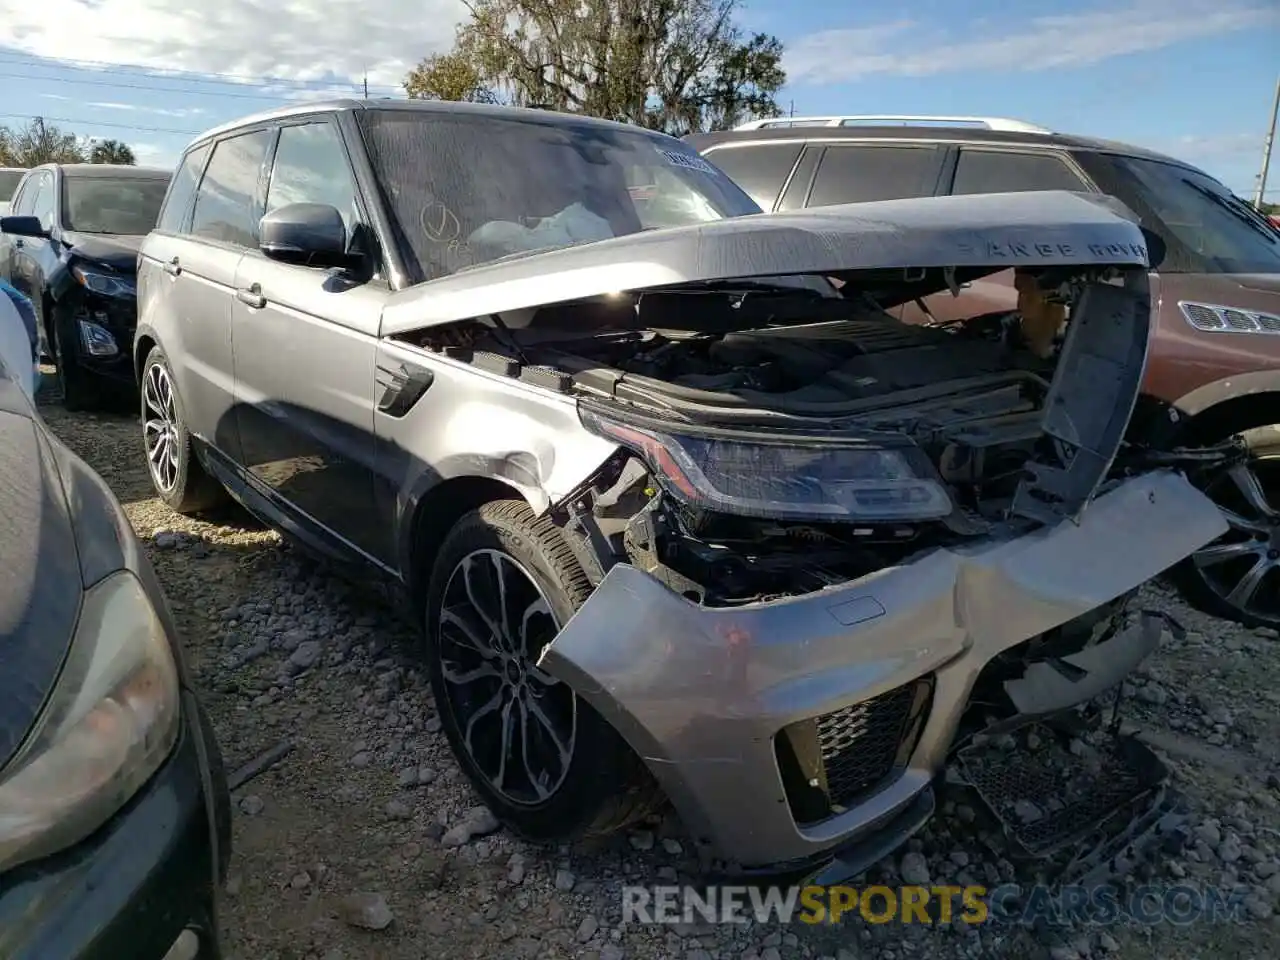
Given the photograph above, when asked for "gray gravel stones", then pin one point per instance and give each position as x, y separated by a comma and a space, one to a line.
284, 649
369, 911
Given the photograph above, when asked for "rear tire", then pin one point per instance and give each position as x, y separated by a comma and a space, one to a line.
176, 474
524, 779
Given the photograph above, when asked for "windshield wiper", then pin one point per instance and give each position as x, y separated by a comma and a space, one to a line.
1238, 209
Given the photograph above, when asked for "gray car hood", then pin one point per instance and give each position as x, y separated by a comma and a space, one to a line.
994, 231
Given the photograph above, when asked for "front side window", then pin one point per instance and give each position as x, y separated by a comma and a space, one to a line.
311, 167
1205, 227
23, 200
42, 200
856, 174
117, 205
1001, 171
226, 203
173, 216
467, 189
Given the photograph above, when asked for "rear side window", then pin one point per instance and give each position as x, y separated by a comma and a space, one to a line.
856, 174
226, 200
9, 180
760, 169
311, 167
173, 216
998, 171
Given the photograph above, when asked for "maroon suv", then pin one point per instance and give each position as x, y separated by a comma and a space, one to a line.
1214, 365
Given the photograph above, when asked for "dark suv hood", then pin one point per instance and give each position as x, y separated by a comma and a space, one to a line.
41, 587
117, 250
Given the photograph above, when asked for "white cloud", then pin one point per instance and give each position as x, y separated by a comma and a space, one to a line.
910, 48
130, 107
296, 39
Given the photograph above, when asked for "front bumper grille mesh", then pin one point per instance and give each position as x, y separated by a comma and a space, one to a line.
836, 760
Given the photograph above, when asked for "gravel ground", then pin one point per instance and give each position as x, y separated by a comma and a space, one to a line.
365, 842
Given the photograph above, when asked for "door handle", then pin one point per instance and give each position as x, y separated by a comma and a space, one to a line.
252, 296
173, 267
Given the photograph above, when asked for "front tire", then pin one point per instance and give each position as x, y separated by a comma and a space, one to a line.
1237, 577
503, 583
176, 475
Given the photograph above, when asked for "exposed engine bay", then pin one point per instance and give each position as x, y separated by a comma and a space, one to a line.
776, 440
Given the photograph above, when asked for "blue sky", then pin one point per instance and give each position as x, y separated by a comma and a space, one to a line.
1193, 78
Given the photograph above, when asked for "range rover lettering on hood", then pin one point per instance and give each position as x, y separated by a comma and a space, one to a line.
973, 234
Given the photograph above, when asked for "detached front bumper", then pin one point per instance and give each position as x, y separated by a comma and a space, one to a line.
874, 674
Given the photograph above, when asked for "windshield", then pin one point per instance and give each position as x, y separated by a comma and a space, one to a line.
125, 205
1206, 228
9, 180
467, 189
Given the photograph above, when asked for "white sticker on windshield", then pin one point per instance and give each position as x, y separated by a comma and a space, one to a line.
690, 161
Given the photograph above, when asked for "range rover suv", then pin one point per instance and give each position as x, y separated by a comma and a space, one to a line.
662, 478
1214, 367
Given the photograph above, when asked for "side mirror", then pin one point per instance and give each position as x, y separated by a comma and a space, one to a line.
308, 234
23, 227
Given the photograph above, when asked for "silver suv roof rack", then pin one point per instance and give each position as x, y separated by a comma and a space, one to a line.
850, 120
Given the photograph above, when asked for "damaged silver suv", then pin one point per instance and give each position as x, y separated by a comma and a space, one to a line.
686, 513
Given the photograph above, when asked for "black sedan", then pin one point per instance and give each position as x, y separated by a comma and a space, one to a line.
70, 243
114, 813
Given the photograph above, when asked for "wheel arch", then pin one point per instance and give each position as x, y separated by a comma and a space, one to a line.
1230, 414
144, 341
434, 514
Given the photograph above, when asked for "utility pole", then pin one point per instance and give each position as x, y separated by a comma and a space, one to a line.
1261, 194
366, 84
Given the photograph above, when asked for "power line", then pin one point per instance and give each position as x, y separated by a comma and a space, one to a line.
99, 123
182, 76
143, 86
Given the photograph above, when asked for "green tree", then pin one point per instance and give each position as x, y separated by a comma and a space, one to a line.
37, 143
676, 65
448, 76
111, 151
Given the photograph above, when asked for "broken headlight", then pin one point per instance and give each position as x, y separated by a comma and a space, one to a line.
783, 476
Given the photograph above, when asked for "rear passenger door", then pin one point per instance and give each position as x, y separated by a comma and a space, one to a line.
304, 363
993, 170
192, 258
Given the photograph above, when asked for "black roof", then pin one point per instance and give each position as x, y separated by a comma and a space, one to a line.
1047, 141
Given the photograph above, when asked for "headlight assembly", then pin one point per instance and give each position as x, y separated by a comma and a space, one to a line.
783, 477
110, 722
106, 284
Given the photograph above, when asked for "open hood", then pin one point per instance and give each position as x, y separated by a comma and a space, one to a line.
974, 234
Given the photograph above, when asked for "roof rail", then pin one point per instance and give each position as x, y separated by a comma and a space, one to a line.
990, 123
